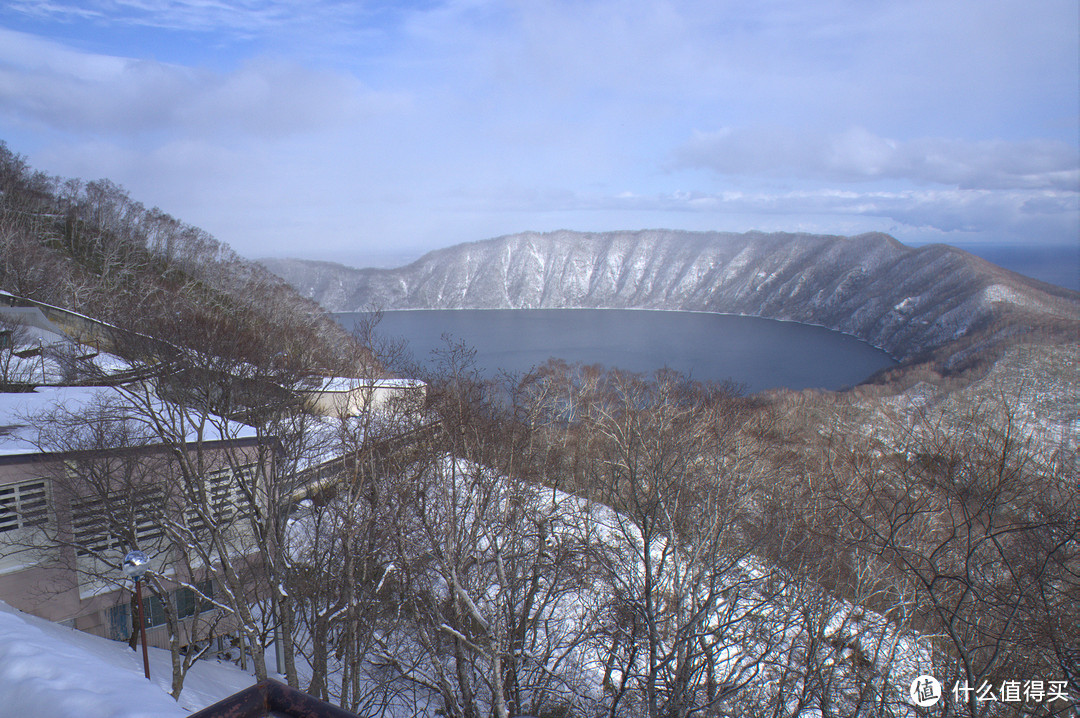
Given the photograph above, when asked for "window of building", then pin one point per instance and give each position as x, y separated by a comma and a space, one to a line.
23, 505
155, 611
187, 604
118, 619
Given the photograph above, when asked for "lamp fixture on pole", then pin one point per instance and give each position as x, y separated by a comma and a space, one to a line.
135, 565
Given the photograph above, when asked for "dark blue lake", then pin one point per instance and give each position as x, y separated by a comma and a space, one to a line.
758, 353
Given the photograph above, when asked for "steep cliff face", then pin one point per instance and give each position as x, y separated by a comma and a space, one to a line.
906, 301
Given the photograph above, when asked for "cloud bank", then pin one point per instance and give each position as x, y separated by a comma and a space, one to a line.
48, 84
857, 155
331, 126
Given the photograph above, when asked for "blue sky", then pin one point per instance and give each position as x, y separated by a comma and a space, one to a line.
368, 132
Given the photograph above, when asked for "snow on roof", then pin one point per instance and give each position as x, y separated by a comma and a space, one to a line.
16, 435
51, 671
52, 307
345, 383
108, 363
37, 327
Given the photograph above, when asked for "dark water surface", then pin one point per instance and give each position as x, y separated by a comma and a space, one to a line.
1052, 263
758, 353
1055, 264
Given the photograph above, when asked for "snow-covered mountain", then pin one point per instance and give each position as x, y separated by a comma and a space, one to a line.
903, 300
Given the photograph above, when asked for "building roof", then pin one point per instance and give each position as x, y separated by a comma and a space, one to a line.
272, 699
17, 434
37, 327
344, 383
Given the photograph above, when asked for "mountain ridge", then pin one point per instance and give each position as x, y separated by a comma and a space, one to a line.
907, 301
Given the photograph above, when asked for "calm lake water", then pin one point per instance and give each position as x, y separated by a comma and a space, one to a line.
758, 353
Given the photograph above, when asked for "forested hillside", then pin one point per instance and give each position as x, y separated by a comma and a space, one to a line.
91, 248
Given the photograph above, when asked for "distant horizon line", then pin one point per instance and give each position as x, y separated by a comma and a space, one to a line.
1038, 260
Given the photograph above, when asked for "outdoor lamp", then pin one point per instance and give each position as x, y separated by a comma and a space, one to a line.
135, 565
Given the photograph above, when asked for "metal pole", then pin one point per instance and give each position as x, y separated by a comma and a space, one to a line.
142, 628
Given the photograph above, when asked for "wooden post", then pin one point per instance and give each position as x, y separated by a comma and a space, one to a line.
142, 628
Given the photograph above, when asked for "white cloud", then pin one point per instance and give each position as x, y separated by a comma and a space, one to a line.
1048, 215
859, 155
47, 84
408, 123
238, 15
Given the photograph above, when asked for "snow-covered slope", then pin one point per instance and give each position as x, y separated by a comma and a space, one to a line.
50, 671
906, 301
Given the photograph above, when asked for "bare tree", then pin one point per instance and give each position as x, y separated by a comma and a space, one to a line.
456, 577
222, 402
109, 497
16, 359
679, 466
971, 516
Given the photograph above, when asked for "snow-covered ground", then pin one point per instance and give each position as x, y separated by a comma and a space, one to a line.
51, 671
770, 629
